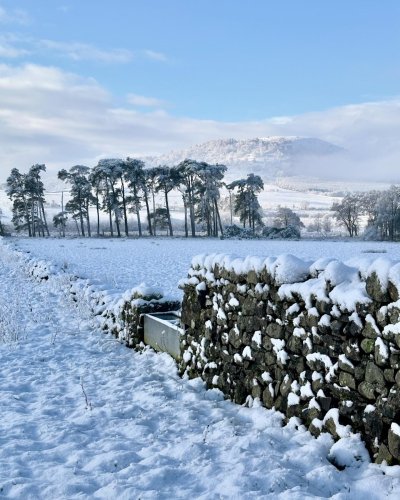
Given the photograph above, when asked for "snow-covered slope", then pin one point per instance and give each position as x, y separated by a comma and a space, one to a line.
268, 156
84, 417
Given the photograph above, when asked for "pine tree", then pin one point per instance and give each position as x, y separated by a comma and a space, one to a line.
208, 194
134, 176
27, 194
246, 201
81, 195
167, 180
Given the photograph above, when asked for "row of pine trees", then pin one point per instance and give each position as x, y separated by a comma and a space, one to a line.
120, 187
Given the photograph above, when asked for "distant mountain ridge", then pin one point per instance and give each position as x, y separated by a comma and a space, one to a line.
268, 156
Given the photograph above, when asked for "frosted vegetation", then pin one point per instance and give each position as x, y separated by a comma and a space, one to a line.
125, 198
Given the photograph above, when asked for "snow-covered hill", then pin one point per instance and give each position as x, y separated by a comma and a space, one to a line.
267, 156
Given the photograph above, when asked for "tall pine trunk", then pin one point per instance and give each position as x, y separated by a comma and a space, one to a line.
146, 200
154, 213
124, 207
186, 218
89, 232
171, 233
137, 208
115, 209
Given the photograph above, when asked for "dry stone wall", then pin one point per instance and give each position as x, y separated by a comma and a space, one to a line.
124, 318
319, 341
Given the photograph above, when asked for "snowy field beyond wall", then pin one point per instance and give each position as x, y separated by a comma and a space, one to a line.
121, 264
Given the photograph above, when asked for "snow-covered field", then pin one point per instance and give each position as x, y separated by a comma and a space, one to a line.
161, 262
84, 417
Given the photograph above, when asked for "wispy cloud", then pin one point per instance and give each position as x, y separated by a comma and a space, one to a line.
156, 56
17, 16
85, 52
143, 101
14, 45
64, 8
10, 51
50, 116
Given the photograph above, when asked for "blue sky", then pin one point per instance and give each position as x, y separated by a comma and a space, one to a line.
176, 72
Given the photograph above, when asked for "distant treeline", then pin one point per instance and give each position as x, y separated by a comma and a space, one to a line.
119, 187
380, 208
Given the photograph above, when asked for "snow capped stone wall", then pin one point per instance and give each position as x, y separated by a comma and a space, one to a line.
315, 340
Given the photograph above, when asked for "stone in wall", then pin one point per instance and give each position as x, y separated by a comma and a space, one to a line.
319, 341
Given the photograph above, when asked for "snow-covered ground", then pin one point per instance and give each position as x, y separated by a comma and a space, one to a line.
84, 417
161, 262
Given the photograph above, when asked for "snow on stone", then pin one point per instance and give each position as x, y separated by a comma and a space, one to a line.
278, 347
201, 287
394, 275
341, 430
295, 386
325, 320
394, 329
260, 288
337, 272
316, 376
233, 302
317, 423
356, 319
293, 309
371, 320
241, 288
382, 348
246, 354
314, 287
293, 399
266, 377
306, 391
314, 404
320, 265
288, 269
237, 358
187, 356
256, 338
395, 428
343, 359
299, 332
335, 311
220, 314
348, 294
323, 358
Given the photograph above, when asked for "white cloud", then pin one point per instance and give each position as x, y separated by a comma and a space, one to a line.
53, 117
143, 101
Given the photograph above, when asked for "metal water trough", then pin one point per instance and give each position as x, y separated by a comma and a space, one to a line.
162, 331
